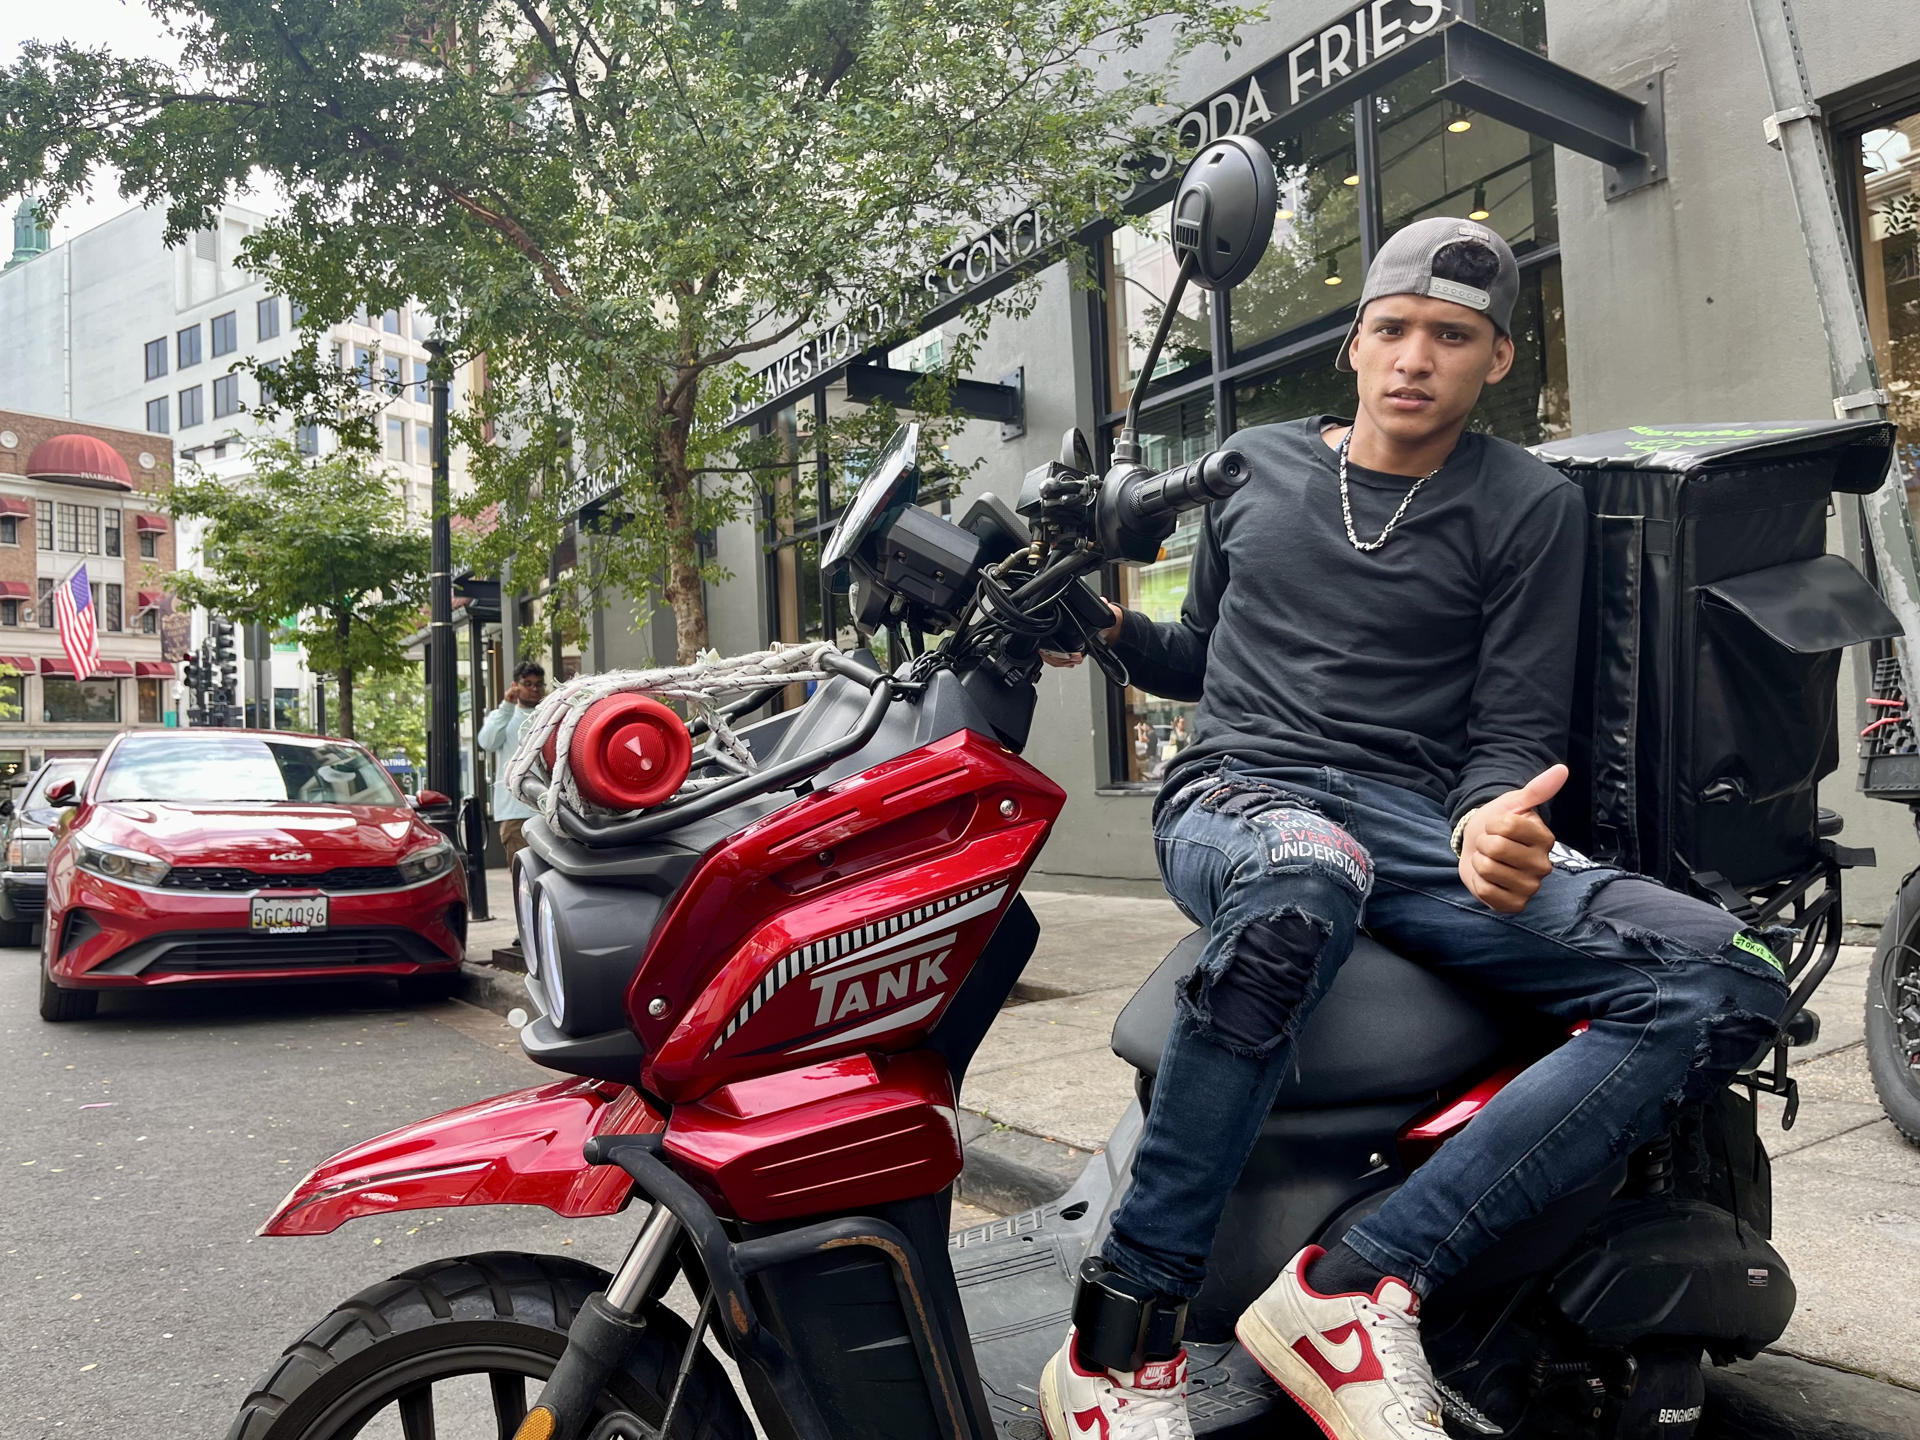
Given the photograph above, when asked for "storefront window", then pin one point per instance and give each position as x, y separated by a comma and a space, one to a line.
82, 702
1140, 275
1439, 159
1889, 188
1313, 266
149, 712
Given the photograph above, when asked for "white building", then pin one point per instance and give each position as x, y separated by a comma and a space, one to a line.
120, 329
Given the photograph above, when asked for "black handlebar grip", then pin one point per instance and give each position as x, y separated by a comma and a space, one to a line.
1158, 498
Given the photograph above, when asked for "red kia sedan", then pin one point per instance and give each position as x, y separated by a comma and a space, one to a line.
196, 857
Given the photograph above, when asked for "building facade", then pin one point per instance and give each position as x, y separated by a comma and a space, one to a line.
75, 494
119, 327
1680, 296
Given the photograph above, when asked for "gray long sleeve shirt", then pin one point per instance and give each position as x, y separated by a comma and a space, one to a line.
1442, 662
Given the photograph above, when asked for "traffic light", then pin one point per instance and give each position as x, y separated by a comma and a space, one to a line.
224, 660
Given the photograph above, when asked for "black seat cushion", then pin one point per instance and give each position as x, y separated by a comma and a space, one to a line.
1386, 1029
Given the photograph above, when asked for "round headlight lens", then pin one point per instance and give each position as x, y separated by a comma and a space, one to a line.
523, 914
550, 949
427, 862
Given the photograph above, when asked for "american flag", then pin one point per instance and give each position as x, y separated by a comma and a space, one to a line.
73, 614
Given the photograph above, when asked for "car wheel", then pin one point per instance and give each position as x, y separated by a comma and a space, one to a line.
425, 989
57, 1004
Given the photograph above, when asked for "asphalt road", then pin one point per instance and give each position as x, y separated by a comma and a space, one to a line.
142, 1149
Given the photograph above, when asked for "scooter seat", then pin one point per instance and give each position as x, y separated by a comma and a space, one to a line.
1386, 1029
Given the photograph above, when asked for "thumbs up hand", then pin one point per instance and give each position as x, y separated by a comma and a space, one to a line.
1503, 851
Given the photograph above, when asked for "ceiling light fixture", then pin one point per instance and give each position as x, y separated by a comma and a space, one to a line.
1479, 210
1460, 124
1333, 270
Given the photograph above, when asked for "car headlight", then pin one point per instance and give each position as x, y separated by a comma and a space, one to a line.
132, 867
27, 854
550, 947
523, 914
435, 859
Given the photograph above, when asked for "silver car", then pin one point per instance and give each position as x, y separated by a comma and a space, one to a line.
27, 837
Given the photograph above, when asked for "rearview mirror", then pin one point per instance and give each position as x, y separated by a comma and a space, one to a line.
1223, 211
63, 792
430, 800
6, 809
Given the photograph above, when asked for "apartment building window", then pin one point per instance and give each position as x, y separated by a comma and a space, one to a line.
149, 622
420, 382
226, 396
390, 322
156, 358
266, 318
306, 439
191, 412
267, 372
46, 601
391, 365
9, 612
187, 347
422, 444
363, 365
113, 612
396, 439
157, 416
79, 529
296, 312
113, 533
43, 522
149, 545
149, 697
226, 333
9, 529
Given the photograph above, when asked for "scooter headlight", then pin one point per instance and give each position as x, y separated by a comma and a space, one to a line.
553, 980
523, 914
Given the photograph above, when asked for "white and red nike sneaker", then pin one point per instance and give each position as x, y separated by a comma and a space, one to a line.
1353, 1362
1145, 1404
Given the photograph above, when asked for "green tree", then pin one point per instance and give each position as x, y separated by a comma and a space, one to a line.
319, 539
391, 715
623, 205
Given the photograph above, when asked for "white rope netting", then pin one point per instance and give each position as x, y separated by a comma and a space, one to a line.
703, 686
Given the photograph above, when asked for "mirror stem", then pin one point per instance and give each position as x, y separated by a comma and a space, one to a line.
1126, 450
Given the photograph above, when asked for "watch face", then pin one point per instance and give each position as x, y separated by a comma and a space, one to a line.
891, 482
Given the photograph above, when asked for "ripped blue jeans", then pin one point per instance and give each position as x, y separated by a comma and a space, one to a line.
1281, 869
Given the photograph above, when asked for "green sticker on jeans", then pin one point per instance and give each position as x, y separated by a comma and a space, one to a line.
1754, 947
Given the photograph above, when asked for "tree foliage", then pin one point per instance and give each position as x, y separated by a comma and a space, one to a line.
624, 204
390, 715
317, 546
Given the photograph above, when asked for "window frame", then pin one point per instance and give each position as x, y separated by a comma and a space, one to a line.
159, 408
113, 608
266, 318
180, 360
110, 531
155, 351
43, 526
226, 396
223, 327
149, 544
198, 407
52, 683
10, 530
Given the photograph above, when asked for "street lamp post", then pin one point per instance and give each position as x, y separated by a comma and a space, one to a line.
443, 723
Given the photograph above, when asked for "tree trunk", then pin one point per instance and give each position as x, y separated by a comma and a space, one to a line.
343, 626
684, 590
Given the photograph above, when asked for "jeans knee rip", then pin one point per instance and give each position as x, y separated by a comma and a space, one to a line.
1251, 999
1724, 1042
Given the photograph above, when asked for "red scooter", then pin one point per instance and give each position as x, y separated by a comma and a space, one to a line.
766, 989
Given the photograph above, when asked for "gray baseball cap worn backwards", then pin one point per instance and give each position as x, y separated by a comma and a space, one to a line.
1404, 266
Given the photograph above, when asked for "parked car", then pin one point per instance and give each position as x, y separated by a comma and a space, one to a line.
27, 839
200, 857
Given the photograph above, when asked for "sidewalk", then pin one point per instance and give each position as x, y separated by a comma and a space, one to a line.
1044, 1091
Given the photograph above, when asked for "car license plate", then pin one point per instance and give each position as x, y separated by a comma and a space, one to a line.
289, 916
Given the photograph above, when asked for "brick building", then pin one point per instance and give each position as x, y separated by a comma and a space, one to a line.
73, 493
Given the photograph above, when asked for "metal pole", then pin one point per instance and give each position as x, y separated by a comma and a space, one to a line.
443, 686
1797, 129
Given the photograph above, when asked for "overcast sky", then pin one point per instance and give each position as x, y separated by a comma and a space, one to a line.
124, 29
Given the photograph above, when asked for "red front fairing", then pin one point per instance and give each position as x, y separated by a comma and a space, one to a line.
518, 1149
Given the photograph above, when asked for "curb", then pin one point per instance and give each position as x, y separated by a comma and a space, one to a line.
1006, 1170
1777, 1396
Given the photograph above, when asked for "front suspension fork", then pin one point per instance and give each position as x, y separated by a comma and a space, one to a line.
602, 1336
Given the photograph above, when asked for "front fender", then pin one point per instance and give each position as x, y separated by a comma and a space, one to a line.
523, 1148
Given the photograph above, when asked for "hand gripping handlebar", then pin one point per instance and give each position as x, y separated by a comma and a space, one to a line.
1136, 509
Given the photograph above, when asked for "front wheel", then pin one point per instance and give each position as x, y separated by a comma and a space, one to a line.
462, 1347
1893, 1012
57, 1004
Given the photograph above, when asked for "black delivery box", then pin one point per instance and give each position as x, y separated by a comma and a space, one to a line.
1704, 711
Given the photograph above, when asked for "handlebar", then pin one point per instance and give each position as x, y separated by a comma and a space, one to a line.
1152, 500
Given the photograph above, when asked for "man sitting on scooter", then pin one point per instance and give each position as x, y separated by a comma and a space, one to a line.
1380, 632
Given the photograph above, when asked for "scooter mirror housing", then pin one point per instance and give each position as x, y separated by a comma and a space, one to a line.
1223, 211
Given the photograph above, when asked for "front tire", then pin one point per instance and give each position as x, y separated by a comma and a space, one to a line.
502, 1315
1893, 1013
57, 1005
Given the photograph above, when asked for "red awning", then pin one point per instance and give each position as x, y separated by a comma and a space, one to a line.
15, 590
115, 667
49, 665
148, 598
79, 460
143, 522
23, 663
153, 667
14, 505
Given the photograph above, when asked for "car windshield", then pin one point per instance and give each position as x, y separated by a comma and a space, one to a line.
34, 803
226, 768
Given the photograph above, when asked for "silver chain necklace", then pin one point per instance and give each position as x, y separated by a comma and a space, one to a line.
1346, 500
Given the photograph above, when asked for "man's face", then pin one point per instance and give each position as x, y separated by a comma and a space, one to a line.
533, 689
1420, 363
